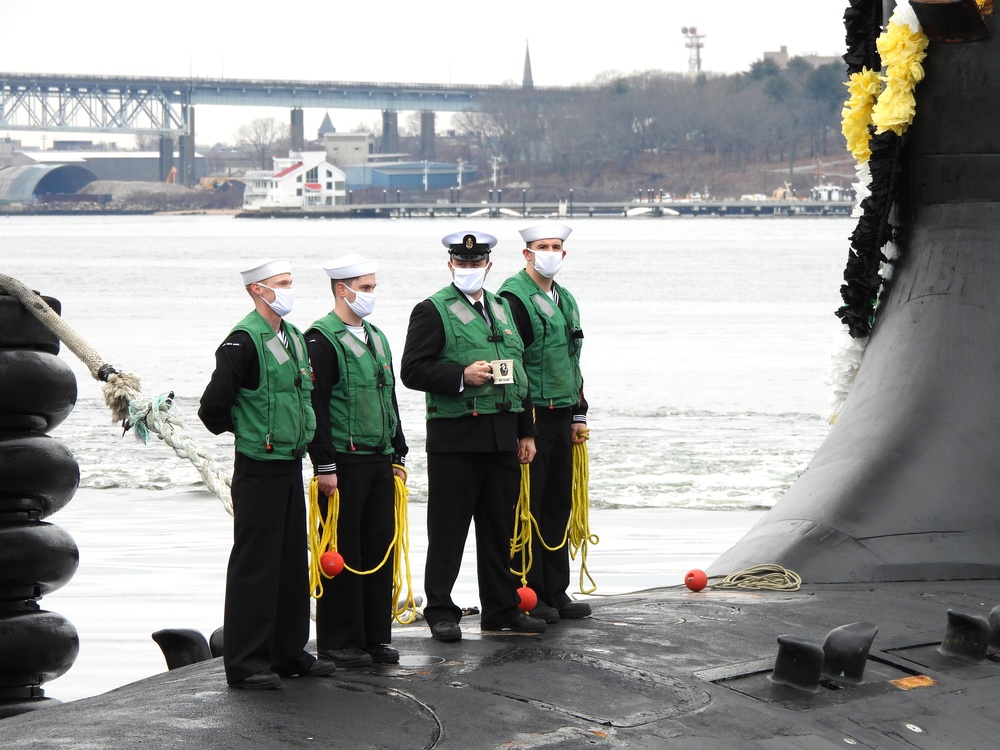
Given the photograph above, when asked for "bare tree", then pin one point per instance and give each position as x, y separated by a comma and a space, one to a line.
147, 142
263, 138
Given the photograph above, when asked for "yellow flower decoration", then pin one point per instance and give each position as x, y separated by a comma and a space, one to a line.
902, 50
864, 88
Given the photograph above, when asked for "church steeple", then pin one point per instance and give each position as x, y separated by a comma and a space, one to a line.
326, 126
528, 82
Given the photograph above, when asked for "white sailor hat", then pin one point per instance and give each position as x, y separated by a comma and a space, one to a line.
547, 230
469, 245
350, 267
266, 270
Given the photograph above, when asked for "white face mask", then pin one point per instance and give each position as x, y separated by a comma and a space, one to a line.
283, 300
548, 263
363, 304
470, 280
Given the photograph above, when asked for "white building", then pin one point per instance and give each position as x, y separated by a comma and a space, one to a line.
7, 149
348, 149
303, 180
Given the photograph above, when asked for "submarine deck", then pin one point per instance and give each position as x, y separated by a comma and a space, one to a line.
660, 668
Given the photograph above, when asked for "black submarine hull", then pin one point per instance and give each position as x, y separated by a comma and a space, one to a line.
906, 485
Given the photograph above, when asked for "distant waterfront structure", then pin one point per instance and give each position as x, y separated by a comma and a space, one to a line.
143, 166
348, 149
325, 127
7, 148
304, 179
693, 42
411, 176
781, 58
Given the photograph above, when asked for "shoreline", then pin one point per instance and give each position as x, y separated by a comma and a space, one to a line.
157, 559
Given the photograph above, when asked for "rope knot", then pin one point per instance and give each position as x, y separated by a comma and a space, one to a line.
105, 371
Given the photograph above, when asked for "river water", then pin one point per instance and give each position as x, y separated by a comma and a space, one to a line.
707, 342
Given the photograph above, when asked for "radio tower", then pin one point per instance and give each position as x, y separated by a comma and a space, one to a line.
694, 44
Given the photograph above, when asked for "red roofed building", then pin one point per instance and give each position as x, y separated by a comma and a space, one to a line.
303, 180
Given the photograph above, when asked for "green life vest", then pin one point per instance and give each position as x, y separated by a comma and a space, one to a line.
553, 358
275, 421
361, 415
467, 340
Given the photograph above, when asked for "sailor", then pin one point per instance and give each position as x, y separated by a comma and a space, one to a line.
479, 432
358, 447
548, 320
260, 391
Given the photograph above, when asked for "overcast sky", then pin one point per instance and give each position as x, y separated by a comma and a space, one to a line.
390, 40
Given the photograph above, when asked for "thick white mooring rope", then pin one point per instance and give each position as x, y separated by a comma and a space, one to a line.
144, 416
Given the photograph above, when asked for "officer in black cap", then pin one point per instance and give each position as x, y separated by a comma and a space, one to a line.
463, 350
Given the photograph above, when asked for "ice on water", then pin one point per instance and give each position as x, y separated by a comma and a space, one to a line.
707, 342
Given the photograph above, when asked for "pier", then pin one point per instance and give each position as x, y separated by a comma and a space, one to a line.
655, 210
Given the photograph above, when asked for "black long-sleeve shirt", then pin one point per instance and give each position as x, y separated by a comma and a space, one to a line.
236, 366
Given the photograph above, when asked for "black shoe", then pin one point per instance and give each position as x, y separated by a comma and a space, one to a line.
266, 680
321, 668
574, 610
382, 654
520, 624
446, 630
348, 658
545, 612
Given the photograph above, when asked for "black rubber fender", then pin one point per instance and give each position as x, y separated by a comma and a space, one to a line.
38, 475
36, 558
36, 646
39, 390
19, 329
215, 641
181, 646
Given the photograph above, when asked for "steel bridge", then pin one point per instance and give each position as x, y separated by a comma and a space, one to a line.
166, 106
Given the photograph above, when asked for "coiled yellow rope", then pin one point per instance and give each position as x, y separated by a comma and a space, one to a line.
577, 532
770, 576
520, 542
579, 518
323, 538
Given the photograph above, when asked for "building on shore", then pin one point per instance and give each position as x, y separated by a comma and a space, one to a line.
304, 179
781, 58
7, 149
141, 166
411, 176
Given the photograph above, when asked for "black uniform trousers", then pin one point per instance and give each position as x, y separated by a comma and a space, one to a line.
551, 474
356, 611
462, 487
266, 622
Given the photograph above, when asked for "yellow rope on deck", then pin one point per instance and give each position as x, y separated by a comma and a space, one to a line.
579, 518
323, 538
520, 542
577, 533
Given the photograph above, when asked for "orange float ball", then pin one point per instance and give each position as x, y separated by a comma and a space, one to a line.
332, 562
529, 599
696, 580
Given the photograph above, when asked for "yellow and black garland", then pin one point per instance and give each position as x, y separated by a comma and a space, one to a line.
874, 120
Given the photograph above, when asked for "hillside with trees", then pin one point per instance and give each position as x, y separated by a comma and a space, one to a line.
727, 135
765, 131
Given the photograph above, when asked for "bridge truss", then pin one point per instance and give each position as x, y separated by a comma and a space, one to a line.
67, 103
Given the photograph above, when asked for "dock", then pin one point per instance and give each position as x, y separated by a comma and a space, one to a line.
616, 209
